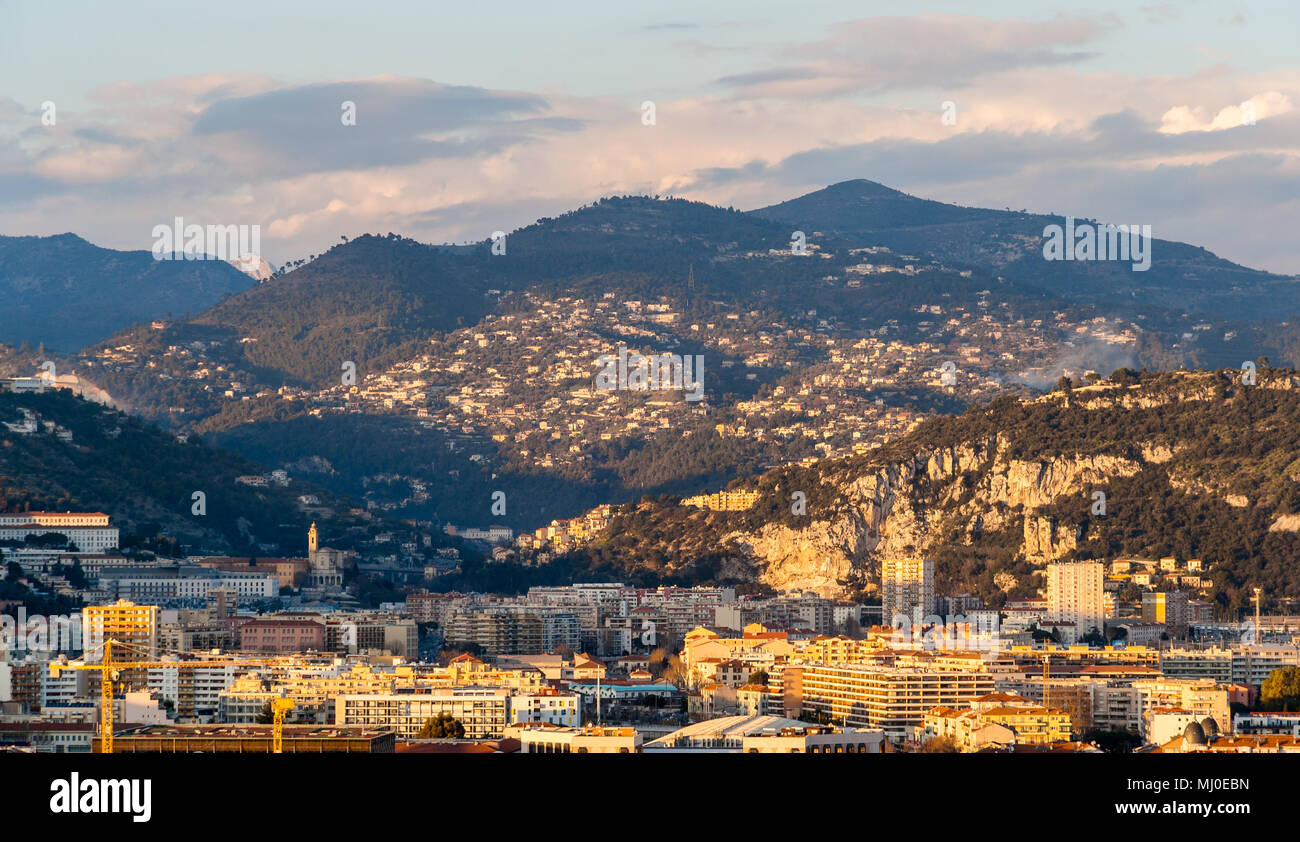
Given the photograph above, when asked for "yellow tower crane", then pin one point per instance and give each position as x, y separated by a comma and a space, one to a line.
279, 707
110, 670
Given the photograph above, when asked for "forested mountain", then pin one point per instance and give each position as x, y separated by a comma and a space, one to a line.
66, 293
1181, 277
146, 479
1191, 465
457, 350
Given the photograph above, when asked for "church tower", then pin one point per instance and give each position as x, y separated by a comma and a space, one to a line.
313, 539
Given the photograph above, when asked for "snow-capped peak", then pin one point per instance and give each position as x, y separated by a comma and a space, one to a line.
253, 266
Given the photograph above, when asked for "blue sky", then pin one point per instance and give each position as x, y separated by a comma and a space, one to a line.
474, 117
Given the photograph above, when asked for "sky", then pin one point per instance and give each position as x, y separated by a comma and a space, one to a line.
471, 118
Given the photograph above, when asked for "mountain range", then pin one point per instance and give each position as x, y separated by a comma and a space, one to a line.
453, 398
1190, 465
65, 293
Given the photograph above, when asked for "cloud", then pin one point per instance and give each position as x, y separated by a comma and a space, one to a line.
447, 163
300, 130
875, 55
1181, 118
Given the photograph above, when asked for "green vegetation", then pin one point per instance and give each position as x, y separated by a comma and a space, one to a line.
1281, 690
145, 479
1222, 440
67, 293
442, 727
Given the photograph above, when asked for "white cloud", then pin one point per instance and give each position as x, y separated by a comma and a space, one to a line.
1182, 118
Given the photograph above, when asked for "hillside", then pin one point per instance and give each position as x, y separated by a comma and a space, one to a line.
1192, 464
1181, 278
66, 293
476, 368
374, 298
145, 479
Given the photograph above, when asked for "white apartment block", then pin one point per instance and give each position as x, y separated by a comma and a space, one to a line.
485, 713
552, 708
185, 582
88, 530
194, 691
1075, 595
1238, 665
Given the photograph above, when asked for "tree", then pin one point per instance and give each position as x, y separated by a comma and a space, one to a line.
1043, 636
758, 677
676, 672
442, 726
1112, 742
266, 717
1125, 377
1281, 690
939, 745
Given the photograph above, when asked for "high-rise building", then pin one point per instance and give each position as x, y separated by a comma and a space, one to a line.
1075, 595
905, 584
1170, 608
133, 630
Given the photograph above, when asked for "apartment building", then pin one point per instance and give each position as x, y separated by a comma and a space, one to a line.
997, 719
123, 622
88, 530
194, 692
1076, 601
906, 585
1170, 608
184, 582
894, 698
289, 572
1202, 698
484, 712
133, 630
515, 629
723, 501
281, 635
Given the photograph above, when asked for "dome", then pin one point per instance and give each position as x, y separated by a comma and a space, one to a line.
1210, 727
1194, 734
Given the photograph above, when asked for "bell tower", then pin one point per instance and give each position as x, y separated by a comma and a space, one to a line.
313, 539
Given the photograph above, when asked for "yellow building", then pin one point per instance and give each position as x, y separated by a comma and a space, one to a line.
997, 719
724, 501
894, 698
839, 650
755, 646
1033, 725
132, 628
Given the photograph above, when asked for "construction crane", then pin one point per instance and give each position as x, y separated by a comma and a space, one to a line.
110, 670
279, 707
